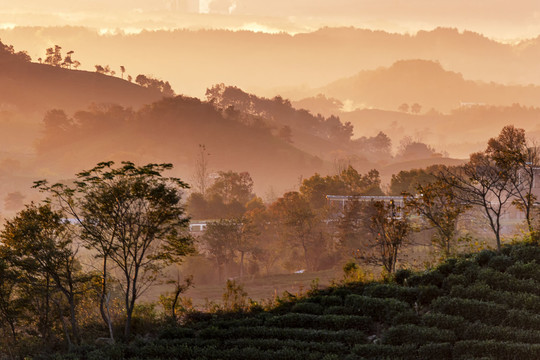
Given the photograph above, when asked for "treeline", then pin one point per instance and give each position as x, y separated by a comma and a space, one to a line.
306, 230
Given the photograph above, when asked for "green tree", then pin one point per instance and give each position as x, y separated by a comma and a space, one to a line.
38, 240
300, 227
218, 241
232, 187
390, 228
482, 182
53, 56
515, 156
439, 204
130, 215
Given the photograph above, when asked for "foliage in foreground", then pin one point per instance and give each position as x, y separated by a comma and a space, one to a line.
483, 305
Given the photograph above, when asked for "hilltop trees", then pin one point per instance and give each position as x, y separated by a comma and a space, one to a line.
162, 86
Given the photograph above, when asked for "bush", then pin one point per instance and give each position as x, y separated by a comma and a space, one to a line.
444, 321
375, 351
522, 270
500, 262
435, 351
454, 280
495, 349
331, 300
472, 310
402, 275
307, 308
413, 334
479, 331
328, 322
401, 293
378, 309
483, 257
522, 319
426, 294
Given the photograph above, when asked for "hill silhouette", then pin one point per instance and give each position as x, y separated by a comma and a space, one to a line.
34, 88
428, 84
171, 130
277, 62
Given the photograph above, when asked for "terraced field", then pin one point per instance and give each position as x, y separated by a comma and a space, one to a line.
483, 306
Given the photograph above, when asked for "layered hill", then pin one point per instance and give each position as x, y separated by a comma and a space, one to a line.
34, 88
428, 84
262, 63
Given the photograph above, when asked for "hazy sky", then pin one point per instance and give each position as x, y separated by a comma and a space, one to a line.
501, 19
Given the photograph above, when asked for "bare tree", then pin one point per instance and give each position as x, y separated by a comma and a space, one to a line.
481, 182
518, 157
201, 170
390, 228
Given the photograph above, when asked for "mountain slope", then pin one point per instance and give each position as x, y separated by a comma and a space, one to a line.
428, 84
30, 87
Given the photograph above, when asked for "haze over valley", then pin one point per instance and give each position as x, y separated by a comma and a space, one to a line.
161, 160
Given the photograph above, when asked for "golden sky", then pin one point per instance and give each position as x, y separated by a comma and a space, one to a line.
500, 19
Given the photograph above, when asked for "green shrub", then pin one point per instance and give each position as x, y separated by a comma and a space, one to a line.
413, 334
383, 351
402, 275
472, 310
307, 308
522, 270
454, 280
401, 293
495, 349
329, 322
426, 294
444, 321
522, 319
483, 257
479, 331
176, 332
407, 317
500, 262
525, 253
504, 281
338, 310
435, 351
447, 267
378, 309
331, 300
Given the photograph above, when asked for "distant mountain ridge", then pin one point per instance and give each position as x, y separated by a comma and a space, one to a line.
262, 63
428, 84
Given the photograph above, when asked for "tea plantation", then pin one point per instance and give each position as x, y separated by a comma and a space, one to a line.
482, 306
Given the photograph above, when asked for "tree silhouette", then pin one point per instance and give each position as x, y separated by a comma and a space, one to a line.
129, 215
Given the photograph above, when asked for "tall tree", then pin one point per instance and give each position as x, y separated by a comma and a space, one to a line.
481, 182
517, 157
130, 215
439, 204
38, 240
301, 227
390, 228
202, 170
219, 242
